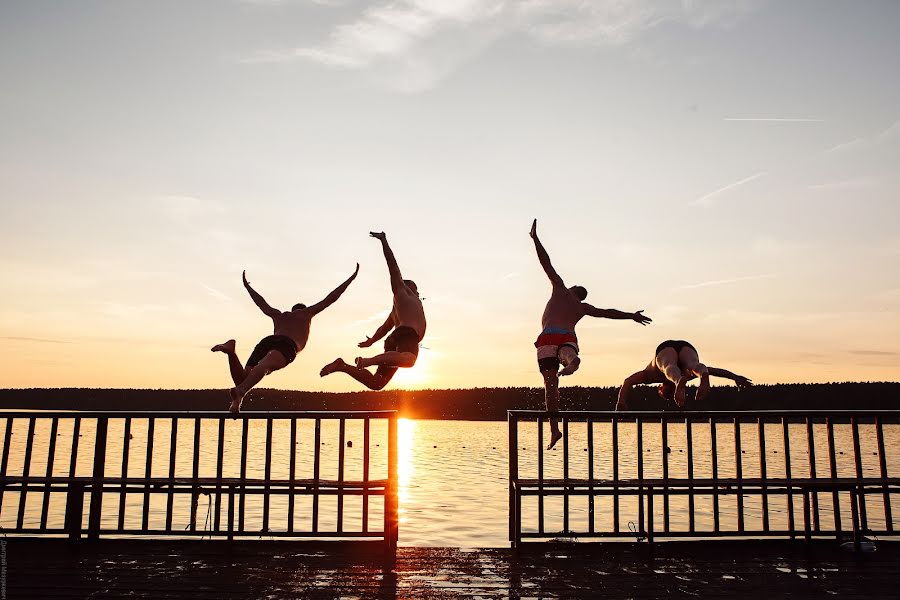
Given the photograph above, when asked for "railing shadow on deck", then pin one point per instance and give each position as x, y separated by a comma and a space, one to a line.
284, 474
651, 475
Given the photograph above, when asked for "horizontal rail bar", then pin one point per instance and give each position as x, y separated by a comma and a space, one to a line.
188, 414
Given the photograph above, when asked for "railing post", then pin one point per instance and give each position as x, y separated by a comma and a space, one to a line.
74, 511
391, 524
513, 477
97, 479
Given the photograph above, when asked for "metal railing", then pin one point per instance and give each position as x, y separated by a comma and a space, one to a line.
705, 474
268, 474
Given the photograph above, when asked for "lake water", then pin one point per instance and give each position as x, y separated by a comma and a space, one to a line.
452, 474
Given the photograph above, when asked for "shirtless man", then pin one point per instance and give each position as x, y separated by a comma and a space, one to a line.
401, 347
557, 343
275, 351
675, 363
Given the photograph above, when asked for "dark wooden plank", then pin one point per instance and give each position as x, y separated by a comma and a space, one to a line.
26, 470
51, 454
148, 471
173, 452
126, 444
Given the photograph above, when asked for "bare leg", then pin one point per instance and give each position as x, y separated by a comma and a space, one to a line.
273, 361
569, 359
667, 362
691, 365
388, 359
373, 381
551, 399
234, 363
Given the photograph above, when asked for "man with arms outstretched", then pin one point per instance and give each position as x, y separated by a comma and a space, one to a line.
401, 347
675, 363
557, 345
275, 351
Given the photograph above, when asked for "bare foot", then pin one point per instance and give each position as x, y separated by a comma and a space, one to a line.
360, 362
333, 367
680, 388
571, 367
703, 388
227, 347
555, 436
236, 400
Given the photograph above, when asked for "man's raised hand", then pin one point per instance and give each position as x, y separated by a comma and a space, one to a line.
378, 235
742, 382
533, 232
244, 275
369, 341
639, 317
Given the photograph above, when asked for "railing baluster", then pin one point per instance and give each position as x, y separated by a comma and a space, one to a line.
220, 459
857, 460
664, 427
690, 469
762, 472
739, 473
832, 463
340, 498
615, 466
565, 441
590, 443
51, 453
540, 475
99, 473
882, 463
26, 471
787, 473
811, 450
245, 435
393, 532
195, 476
173, 451
292, 473
365, 498
316, 466
714, 451
126, 444
640, 470
267, 487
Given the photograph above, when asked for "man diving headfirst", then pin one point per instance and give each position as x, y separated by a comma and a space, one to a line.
557, 344
275, 351
674, 364
401, 347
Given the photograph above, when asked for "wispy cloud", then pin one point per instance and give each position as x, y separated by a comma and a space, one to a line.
216, 293
873, 352
709, 198
14, 338
508, 276
377, 317
415, 43
724, 281
775, 119
868, 140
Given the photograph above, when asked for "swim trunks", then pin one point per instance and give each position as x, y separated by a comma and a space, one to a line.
677, 345
282, 343
549, 343
402, 339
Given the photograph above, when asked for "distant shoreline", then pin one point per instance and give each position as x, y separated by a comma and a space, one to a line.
477, 404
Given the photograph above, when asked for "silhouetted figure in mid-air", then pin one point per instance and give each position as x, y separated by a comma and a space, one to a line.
275, 351
557, 344
675, 363
401, 347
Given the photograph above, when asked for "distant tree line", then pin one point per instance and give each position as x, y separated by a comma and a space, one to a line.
478, 404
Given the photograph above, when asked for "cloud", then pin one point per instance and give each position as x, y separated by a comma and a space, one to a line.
413, 44
14, 338
379, 317
710, 197
216, 293
873, 353
875, 139
845, 185
723, 281
774, 119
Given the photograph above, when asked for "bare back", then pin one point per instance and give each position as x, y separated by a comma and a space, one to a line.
563, 310
408, 311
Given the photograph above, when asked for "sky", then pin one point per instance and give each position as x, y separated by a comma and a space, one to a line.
730, 167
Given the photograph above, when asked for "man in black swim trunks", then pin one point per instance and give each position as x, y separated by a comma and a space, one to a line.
275, 351
674, 364
401, 347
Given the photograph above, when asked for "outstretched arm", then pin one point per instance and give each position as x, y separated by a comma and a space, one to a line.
741, 381
393, 268
259, 300
611, 313
334, 295
379, 333
544, 258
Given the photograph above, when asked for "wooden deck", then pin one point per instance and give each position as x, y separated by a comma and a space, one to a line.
201, 569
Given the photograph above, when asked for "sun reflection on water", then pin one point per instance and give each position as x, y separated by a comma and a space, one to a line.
406, 435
